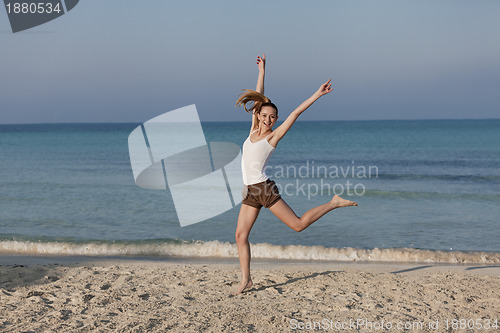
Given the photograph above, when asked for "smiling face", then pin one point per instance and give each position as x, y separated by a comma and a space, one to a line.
267, 117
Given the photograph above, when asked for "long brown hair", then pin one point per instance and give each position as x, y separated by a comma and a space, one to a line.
253, 102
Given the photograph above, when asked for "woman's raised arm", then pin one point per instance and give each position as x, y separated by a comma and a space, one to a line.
261, 62
281, 130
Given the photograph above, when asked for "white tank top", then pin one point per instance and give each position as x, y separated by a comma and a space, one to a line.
254, 160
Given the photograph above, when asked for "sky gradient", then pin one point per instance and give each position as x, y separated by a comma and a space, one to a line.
115, 61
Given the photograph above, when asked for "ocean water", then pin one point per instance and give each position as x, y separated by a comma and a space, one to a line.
428, 190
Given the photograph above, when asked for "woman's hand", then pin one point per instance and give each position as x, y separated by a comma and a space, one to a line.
261, 62
324, 89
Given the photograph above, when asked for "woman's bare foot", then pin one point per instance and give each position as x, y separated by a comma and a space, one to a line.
243, 285
338, 202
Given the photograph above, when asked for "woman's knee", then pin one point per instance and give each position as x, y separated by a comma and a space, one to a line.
297, 224
241, 236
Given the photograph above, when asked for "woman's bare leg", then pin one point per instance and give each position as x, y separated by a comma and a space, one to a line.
246, 219
288, 216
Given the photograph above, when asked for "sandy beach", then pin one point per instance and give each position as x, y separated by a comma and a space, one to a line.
79, 294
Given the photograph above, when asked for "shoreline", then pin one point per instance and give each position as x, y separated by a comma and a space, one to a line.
228, 250
258, 263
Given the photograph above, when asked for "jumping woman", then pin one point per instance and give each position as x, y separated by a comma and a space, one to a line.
259, 190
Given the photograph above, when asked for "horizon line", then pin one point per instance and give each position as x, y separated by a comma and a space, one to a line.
245, 121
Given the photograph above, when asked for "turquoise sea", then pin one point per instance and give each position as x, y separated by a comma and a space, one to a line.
428, 190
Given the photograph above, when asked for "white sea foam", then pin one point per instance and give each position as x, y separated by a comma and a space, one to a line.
229, 250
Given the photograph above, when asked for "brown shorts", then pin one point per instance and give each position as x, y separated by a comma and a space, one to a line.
261, 194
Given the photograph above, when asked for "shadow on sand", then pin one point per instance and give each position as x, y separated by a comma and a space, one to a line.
289, 281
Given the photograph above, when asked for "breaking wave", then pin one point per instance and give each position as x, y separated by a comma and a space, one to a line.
176, 248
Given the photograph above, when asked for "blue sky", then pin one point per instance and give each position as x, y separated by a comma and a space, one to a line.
124, 61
